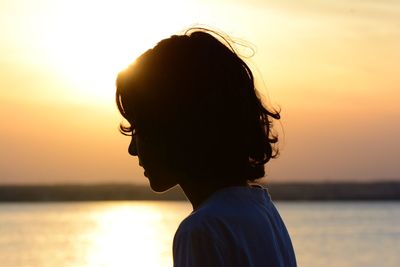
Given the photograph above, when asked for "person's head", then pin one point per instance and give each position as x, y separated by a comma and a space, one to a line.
194, 112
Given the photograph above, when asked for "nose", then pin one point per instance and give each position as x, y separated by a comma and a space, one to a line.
132, 149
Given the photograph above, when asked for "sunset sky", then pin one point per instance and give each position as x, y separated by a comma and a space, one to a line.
333, 67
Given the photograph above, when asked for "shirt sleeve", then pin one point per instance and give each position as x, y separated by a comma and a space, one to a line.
197, 248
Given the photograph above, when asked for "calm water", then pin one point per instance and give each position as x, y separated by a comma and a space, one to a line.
138, 233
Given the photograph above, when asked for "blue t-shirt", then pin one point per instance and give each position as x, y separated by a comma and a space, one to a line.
236, 226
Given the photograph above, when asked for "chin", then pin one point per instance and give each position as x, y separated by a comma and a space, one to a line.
160, 187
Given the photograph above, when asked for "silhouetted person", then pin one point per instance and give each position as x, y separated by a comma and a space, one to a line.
196, 121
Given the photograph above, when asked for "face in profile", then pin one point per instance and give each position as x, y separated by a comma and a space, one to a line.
160, 175
193, 108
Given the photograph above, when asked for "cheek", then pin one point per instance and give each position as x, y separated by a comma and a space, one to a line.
152, 155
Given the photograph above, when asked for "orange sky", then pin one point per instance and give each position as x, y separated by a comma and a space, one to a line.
332, 67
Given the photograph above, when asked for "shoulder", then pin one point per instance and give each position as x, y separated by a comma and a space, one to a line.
230, 206
201, 221
196, 234
235, 227
216, 219
206, 224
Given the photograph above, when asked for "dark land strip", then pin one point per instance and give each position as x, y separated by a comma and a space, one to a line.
278, 191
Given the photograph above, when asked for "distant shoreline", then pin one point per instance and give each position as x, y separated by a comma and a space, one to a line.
338, 191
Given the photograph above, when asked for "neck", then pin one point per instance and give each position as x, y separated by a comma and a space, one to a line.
199, 190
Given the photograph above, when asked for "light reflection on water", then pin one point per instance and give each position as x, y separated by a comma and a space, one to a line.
140, 233
128, 234
345, 234
98, 234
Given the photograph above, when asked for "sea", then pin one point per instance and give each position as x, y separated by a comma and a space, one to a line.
140, 233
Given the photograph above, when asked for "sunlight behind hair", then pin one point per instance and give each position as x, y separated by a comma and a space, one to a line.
88, 42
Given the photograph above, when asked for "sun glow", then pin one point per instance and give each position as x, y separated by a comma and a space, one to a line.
117, 227
89, 42
138, 233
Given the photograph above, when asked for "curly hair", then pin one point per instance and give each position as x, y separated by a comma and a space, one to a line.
196, 98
